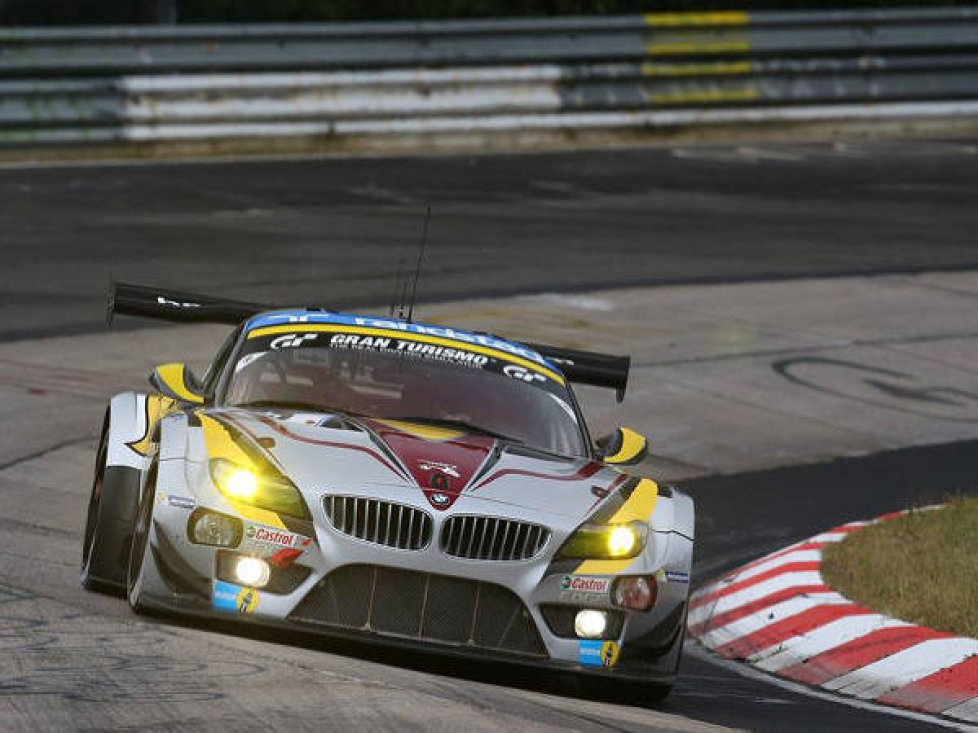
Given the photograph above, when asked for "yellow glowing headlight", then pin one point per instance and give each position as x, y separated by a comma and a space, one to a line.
621, 541
241, 483
606, 541
267, 489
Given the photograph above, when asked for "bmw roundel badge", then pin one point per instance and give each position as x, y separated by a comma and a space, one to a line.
439, 499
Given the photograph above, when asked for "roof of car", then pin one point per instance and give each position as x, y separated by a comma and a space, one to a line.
301, 317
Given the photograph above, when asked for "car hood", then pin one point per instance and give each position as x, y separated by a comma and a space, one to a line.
400, 461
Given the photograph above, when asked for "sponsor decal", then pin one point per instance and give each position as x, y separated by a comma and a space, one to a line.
278, 537
388, 325
291, 340
677, 576
594, 653
410, 348
233, 598
585, 584
517, 372
181, 502
284, 557
427, 465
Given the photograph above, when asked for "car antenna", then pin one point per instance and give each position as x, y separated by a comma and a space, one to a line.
417, 270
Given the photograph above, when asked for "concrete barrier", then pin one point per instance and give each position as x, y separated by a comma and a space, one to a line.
119, 84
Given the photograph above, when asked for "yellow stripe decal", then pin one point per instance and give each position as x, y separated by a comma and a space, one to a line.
640, 505
157, 407
173, 376
434, 340
220, 444
674, 20
262, 516
426, 432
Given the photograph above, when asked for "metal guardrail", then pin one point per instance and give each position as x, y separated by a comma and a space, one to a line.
199, 82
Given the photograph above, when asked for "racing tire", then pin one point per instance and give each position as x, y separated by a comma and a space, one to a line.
140, 543
657, 694
108, 524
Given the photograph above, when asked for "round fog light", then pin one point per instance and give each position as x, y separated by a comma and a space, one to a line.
251, 571
637, 593
590, 624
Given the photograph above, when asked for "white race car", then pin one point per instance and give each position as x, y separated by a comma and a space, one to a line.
401, 482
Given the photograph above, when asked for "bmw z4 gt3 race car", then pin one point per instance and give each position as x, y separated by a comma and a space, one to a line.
393, 481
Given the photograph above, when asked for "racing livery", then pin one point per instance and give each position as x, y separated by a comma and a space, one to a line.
390, 481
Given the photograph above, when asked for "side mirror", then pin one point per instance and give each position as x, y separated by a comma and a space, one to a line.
624, 447
177, 382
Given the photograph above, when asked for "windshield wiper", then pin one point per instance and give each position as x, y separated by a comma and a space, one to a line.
460, 424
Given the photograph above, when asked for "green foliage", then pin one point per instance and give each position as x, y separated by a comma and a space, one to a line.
920, 568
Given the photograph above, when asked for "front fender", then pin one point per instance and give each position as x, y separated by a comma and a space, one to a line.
132, 421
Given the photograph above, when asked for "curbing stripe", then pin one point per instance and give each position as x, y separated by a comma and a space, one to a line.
748, 624
876, 679
800, 649
780, 631
735, 587
795, 556
937, 692
721, 601
778, 615
818, 669
706, 620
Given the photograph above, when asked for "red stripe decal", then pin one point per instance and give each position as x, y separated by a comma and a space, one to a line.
734, 614
791, 567
787, 628
851, 655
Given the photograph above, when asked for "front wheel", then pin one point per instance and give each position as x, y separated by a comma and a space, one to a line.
657, 694
108, 524
140, 541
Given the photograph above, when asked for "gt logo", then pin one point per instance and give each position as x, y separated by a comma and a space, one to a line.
291, 340
518, 372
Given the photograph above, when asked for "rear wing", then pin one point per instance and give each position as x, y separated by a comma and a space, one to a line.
584, 367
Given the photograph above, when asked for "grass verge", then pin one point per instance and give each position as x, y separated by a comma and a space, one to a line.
921, 568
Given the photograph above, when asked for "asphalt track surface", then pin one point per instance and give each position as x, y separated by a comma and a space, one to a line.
334, 230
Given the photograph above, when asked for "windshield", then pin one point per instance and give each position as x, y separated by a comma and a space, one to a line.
407, 379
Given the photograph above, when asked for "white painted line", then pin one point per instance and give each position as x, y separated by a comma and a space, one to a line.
904, 667
831, 635
770, 615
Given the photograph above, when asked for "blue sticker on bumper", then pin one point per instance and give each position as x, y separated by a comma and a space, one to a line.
589, 653
225, 596
595, 653
234, 598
